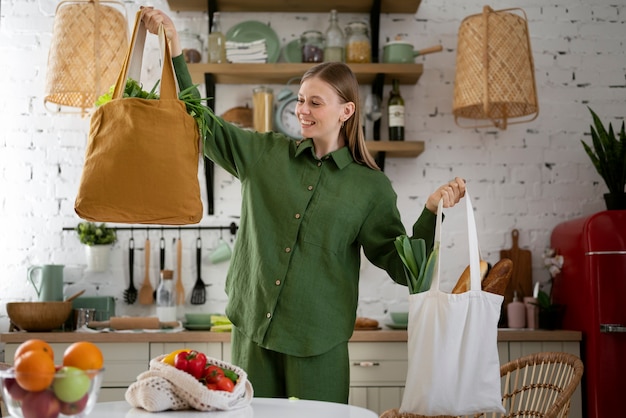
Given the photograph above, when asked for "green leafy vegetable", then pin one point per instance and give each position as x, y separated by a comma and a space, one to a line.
418, 269
194, 105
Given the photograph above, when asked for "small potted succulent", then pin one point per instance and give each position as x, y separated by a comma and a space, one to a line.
98, 240
608, 156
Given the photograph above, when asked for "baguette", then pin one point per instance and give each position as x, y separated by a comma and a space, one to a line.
498, 278
463, 284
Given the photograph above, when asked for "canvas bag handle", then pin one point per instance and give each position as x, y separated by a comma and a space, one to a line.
134, 57
474, 251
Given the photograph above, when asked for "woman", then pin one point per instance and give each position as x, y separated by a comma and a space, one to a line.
308, 208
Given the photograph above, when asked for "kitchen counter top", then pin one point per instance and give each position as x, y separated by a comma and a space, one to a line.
382, 335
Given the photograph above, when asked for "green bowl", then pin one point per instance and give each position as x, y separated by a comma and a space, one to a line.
400, 318
198, 318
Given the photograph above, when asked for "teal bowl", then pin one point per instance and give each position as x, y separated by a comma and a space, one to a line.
400, 318
198, 318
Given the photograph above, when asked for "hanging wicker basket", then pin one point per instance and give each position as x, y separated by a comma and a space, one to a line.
495, 74
89, 41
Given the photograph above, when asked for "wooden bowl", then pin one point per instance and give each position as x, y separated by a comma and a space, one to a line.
39, 316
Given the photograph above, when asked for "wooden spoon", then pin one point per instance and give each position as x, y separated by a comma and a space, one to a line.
75, 295
146, 292
180, 289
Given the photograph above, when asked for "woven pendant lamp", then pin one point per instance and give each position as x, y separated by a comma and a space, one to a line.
495, 72
89, 43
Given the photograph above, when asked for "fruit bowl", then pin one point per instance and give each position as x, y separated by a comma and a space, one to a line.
73, 393
39, 316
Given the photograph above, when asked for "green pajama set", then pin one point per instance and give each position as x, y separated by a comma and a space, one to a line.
293, 280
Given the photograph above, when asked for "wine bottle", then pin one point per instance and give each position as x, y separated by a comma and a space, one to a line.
395, 111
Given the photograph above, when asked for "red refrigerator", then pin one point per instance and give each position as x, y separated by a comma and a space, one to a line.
592, 285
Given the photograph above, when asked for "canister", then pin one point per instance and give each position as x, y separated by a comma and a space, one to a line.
262, 108
358, 44
312, 42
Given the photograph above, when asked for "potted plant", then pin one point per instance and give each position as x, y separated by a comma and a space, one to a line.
608, 156
98, 240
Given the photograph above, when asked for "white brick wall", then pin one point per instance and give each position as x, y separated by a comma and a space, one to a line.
531, 176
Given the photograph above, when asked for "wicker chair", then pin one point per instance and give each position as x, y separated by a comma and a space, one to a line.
539, 385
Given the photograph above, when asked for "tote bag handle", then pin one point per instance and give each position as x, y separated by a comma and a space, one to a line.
474, 251
134, 58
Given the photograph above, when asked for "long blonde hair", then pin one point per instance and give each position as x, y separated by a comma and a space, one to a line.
341, 78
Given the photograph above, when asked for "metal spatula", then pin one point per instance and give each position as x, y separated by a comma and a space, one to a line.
198, 293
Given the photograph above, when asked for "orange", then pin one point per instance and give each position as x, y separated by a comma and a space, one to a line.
34, 344
34, 370
84, 355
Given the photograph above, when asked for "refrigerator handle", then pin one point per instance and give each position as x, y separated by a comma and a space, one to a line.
612, 328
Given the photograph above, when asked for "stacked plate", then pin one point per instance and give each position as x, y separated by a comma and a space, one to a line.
252, 41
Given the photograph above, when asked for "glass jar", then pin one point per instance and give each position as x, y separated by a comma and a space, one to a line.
192, 45
312, 42
358, 44
166, 297
262, 108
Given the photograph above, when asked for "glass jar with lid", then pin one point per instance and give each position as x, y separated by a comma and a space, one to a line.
191, 44
312, 42
358, 44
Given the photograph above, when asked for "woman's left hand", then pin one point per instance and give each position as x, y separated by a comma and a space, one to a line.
451, 193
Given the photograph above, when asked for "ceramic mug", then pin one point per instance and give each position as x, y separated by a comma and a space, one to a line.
221, 252
47, 280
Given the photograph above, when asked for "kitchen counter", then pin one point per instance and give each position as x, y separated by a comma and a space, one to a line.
378, 359
383, 335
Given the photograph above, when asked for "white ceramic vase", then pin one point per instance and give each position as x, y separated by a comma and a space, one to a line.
98, 257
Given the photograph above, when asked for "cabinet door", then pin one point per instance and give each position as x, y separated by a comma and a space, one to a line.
376, 398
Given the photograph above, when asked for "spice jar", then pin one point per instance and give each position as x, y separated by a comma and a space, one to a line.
192, 45
358, 44
312, 42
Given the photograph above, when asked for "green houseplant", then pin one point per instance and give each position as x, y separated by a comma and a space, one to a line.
98, 240
90, 233
608, 156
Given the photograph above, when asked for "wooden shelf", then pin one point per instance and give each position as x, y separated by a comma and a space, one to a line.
317, 6
396, 149
281, 73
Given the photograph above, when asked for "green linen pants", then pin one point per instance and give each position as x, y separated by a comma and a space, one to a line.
325, 377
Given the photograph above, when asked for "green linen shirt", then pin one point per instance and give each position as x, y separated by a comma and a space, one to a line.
293, 281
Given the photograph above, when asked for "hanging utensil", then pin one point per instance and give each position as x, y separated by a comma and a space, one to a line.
146, 296
130, 294
198, 293
161, 258
75, 295
180, 289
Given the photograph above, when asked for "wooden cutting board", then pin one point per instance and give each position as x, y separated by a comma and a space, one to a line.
522, 277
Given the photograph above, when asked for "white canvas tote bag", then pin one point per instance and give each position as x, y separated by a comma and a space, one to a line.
453, 363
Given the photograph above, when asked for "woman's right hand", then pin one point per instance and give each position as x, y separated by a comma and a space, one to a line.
153, 18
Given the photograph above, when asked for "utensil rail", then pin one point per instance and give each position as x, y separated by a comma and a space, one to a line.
233, 227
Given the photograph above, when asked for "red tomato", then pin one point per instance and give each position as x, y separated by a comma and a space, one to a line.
213, 373
225, 384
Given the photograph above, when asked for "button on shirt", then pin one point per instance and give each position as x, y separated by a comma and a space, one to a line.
292, 284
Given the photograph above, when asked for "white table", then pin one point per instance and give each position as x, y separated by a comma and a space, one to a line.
259, 408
